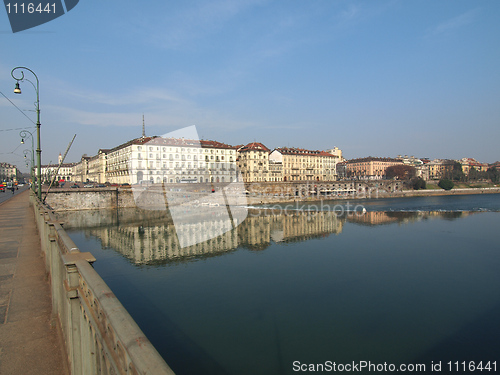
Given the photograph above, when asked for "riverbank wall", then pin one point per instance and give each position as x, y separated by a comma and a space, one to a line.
255, 194
100, 336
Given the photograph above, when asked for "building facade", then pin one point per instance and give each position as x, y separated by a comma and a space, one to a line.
469, 163
253, 162
370, 168
63, 172
8, 172
171, 160
305, 165
440, 168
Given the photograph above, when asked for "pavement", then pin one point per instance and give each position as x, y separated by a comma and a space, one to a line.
30, 338
7, 194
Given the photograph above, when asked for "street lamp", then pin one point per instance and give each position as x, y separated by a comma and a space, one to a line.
17, 90
32, 162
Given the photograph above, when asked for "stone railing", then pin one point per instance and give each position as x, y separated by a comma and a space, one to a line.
100, 335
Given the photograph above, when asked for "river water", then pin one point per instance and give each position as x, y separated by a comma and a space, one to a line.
404, 281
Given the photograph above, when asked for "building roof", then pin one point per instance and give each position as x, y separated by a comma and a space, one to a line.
161, 141
215, 144
253, 146
302, 152
136, 141
372, 158
472, 162
64, 165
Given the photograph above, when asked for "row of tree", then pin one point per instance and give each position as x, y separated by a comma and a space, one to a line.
457, 174
408, 173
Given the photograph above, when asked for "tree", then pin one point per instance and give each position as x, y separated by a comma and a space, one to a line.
446, 184
418, 183
473, 174
457, 173
400, 172
493, 174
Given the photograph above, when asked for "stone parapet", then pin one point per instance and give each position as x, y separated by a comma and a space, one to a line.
100, 335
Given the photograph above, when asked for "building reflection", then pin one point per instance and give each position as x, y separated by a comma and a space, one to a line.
149, 237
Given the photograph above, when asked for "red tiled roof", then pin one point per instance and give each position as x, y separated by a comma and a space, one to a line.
303, 152
372, 158
254, 146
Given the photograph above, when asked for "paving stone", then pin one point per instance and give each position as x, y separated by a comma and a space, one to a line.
30, 342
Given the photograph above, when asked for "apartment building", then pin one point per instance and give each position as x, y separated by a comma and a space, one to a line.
299, 164
275, 171
253, 161
370, 168
171, 160
80, 170
8, 172
96, 167
439, 168
469, 163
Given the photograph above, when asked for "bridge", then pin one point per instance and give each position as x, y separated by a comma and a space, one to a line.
57, 316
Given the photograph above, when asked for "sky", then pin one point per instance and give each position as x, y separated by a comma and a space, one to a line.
374, 78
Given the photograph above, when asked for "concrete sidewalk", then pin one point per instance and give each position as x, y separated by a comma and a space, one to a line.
30, 339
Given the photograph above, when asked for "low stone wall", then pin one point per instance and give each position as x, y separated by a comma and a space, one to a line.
256, 193
89, 198
100, 335
437, 192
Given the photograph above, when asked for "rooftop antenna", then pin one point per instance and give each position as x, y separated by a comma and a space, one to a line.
143, 127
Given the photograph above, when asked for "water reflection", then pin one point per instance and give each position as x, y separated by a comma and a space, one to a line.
149, 237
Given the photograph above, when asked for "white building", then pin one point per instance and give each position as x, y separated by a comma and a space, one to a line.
305, 165
8, 172
171, 160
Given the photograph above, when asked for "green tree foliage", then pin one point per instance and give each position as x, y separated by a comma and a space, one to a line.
493, 174
418, 183
474, 174
400, 172
457, 174
446, 184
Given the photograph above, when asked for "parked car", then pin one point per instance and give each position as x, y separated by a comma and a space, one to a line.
101, 186
88, 186
75, 186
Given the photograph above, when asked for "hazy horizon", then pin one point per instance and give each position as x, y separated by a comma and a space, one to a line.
373, 78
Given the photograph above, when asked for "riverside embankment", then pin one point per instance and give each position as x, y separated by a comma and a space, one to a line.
255, 194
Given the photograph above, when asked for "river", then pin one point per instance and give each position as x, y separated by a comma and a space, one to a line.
403, 281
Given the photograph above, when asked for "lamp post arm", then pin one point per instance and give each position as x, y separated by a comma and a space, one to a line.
38, 150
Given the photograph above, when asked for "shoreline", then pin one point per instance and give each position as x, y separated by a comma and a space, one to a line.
398, 194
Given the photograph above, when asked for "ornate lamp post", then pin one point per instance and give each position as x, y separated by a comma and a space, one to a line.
31, 168
17, 90
24, 134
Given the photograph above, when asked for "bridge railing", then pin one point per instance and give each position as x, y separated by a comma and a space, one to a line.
100, 335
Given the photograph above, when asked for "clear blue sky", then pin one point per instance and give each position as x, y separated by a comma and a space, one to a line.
372, 77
